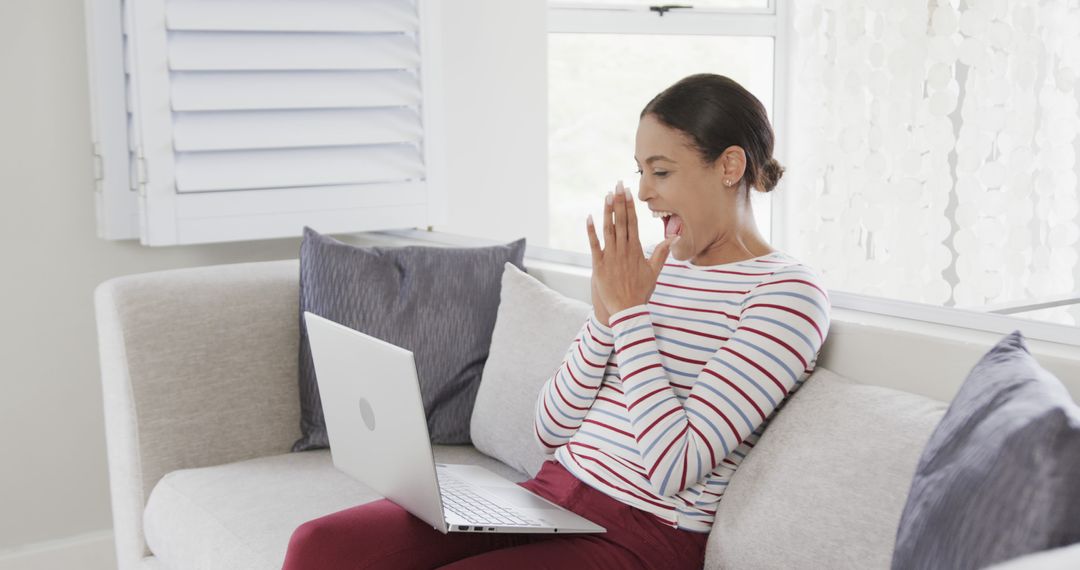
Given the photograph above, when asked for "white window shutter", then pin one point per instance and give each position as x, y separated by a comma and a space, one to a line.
110, 121
254, 118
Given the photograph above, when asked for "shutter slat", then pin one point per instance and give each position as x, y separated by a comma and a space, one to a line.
263, 51
293, 15
209, 91
239, 170
294, 129
281, 200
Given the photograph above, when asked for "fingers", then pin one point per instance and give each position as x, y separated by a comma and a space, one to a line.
660, 255
620, 216
632, 237
609, 224
594, 242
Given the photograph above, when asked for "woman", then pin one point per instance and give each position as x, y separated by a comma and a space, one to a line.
688, 354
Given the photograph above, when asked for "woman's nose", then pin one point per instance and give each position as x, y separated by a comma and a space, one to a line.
644, 191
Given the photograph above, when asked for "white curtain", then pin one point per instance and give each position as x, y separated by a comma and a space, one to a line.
934, 148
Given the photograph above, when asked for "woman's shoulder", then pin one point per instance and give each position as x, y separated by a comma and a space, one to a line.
793, 272
788, 264
798, 292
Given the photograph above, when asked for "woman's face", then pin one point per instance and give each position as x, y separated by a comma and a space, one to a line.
674, 179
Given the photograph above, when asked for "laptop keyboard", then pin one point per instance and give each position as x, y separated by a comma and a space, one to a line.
460, 499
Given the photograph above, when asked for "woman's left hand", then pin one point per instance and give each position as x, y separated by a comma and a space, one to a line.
623, 276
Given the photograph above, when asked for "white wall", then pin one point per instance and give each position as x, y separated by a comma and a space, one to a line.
496, 118
53, 475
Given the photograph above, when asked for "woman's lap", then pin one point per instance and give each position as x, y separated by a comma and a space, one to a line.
383, 535
587, 551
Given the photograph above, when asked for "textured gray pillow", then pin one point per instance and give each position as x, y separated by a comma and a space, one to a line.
533, 330
438, 302
999, 476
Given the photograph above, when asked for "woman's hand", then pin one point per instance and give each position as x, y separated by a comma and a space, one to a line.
622, 277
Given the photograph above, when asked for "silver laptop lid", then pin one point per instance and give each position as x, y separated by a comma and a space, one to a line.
375, 416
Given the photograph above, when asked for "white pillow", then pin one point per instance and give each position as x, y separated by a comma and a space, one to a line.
830, 475
534, 328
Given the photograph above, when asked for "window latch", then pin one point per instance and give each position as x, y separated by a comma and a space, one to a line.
665, 8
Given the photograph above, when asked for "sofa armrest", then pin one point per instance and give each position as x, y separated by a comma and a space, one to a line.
198, 368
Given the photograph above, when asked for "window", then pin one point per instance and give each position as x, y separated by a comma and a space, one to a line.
934, 153
606, 60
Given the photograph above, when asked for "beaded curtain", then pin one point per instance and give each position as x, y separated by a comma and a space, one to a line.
933, 149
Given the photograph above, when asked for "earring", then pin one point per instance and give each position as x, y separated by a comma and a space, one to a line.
727, 183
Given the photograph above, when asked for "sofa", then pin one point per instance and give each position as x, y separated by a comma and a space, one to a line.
199, 373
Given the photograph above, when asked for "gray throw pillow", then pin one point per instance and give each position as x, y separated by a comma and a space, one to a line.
438, 302
534, 329
998, 478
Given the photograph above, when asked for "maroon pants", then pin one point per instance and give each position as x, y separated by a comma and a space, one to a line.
383, 535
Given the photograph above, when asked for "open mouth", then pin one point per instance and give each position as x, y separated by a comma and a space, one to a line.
673, 225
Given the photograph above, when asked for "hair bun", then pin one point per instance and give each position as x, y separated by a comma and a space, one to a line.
771, 172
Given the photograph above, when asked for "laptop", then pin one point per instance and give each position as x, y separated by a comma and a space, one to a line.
378, 435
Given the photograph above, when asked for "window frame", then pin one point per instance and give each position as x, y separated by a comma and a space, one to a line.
772, 21
581, 263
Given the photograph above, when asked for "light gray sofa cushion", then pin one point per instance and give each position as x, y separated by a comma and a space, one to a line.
239, 516
1000, 477
534, 328
438, 302
826, 483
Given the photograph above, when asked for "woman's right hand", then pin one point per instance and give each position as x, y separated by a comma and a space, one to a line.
602, 314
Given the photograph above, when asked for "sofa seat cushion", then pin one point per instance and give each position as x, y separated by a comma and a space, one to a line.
825, 485
241, 515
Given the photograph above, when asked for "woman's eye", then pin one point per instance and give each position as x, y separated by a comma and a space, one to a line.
639, 172
660, 173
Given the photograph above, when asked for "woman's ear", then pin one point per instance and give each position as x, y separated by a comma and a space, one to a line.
732, 164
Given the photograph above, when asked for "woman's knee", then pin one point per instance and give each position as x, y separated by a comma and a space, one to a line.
342, 538
309, 534
303, 551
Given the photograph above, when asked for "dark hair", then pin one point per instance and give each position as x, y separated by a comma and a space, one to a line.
716, 112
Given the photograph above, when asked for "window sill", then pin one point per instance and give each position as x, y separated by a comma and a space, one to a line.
568, 273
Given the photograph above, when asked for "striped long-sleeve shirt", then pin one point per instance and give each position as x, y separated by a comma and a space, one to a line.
658, 409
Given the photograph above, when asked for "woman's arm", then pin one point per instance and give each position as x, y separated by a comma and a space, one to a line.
569, 393
783, 323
